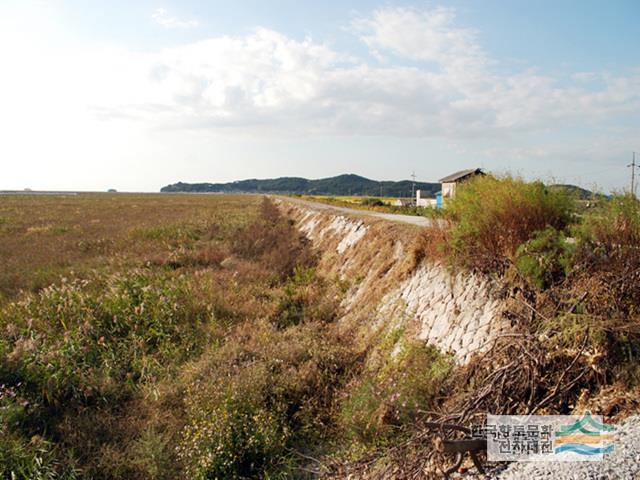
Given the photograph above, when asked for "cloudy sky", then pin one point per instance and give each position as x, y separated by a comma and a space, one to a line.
136, 95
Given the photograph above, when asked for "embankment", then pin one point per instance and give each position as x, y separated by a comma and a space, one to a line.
387, 289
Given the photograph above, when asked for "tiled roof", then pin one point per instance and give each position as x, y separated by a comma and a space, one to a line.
454, 177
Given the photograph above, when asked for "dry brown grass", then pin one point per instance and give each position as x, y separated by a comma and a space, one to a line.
431, 244
102, 365
274, 241
43, 238
221, 339
607, 260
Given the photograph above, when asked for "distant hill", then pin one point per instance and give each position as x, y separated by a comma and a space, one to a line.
578, 192
348, 184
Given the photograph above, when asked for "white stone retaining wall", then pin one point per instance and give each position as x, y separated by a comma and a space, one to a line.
458, 313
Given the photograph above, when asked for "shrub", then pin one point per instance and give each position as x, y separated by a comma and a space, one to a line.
544, 259
80, 341
608, 256
393, 394
372, 202
265, 392
494, 216
34, 460
238, 434
74, 354
293, 304
306, 296
431, 243
599, 302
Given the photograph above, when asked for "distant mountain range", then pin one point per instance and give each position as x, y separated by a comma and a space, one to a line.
348, 184
578, 192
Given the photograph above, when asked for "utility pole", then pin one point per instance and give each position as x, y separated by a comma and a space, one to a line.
413, 185
633, 165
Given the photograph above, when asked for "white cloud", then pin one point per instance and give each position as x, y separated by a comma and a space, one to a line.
266, 83
66, 105
162, 18
427, 35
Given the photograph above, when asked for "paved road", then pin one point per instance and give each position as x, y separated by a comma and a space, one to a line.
394, 217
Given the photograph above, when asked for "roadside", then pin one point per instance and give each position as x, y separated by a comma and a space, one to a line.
393, 217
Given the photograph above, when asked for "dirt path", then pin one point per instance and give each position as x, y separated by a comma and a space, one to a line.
411, 219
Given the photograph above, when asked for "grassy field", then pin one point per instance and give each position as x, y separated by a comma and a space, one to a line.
192, 336
43, 238
179, 336
160, 336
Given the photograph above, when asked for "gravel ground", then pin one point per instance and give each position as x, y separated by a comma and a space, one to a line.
622, 464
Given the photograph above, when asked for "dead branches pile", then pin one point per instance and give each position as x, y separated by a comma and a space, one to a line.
519, 375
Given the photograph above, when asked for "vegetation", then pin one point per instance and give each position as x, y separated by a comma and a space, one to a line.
506, 226
580, 198
570, 280
181, 337
372, 202
544, 258
403, 376
492, 217
157, 337
178, 327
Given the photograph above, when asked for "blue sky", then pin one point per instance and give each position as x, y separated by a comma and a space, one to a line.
135, 95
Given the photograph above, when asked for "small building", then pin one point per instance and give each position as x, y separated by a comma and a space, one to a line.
450, 182
424, 202
403, 202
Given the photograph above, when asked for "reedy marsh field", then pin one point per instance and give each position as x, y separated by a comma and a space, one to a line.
191, 336
167, 336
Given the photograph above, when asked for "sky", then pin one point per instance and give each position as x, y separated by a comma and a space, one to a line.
137, 95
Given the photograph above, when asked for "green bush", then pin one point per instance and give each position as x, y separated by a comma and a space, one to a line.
607, 262
84, 342
493, 216
294, 303
358, 416
392, 395
265, 392
372, 202
545, 259
33, 460
236, 433
306, 296
615, 224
